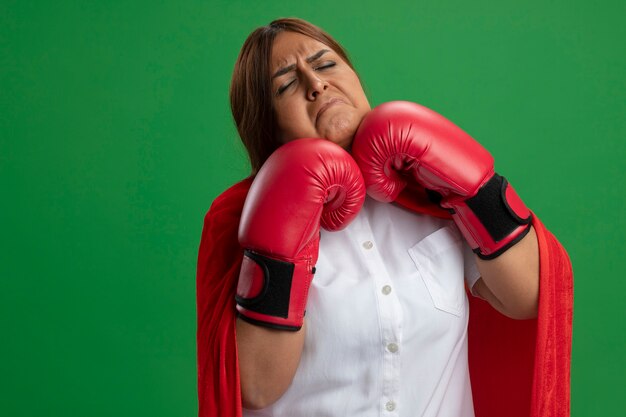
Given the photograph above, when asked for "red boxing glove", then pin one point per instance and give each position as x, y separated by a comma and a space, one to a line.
400, 140
304, 183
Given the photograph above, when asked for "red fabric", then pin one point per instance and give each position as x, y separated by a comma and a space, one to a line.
517, 368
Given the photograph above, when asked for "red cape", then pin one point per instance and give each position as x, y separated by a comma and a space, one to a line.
517, 367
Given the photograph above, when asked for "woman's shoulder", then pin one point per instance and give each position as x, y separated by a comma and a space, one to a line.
230, 202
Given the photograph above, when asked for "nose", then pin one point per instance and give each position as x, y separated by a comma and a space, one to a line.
315, 86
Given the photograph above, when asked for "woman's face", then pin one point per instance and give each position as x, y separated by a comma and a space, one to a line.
315, 93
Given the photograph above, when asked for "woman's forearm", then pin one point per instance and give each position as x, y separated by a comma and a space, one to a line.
268, 360
510, 282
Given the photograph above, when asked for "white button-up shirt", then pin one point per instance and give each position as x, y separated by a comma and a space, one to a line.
386, 321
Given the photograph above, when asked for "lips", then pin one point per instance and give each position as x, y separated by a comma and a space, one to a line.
326, 105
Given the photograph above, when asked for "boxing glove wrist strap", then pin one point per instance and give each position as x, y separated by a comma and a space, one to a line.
273, 293
493, 220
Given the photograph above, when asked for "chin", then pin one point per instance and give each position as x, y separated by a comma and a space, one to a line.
345, 141
343, 136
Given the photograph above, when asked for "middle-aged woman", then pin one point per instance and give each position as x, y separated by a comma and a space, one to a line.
384, 288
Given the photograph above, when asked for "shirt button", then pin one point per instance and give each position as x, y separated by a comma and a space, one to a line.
386, 289
368, 244
390, 406
392, 347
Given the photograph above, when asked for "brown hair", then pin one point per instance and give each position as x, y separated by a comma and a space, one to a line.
250, 92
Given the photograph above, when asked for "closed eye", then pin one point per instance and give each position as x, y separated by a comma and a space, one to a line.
284, 87
327, 65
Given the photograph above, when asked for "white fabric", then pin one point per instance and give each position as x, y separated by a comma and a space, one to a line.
386, 321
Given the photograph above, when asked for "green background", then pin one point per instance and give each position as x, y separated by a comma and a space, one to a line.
116, 136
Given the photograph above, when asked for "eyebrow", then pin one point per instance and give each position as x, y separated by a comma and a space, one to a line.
291, 67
